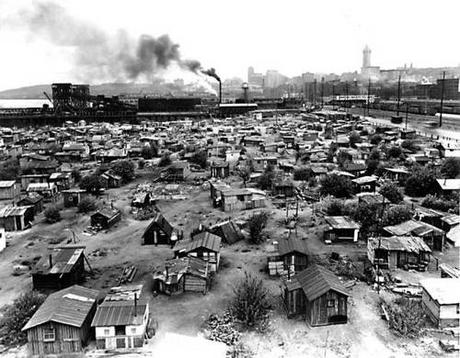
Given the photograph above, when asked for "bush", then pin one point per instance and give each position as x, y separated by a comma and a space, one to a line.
200, 158
375, 139
391, 192
440, 203
406, 316
394, 152
245, 174
421, 183
354, 138
334, 207
250, 303
450, 168
265, 181
86, 205
52, 215
396, 214
76, 175
303, 174
16, 316
337, 186
148, 152
256, 225
409, 145
91, 183
124, 169
10, 170
165, 161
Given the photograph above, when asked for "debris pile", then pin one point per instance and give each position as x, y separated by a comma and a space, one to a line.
222, 329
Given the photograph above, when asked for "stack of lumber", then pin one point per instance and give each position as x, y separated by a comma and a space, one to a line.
127, 275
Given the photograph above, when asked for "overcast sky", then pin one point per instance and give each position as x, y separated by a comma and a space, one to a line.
292, 36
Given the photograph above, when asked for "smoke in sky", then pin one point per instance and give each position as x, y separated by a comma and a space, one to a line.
100, 56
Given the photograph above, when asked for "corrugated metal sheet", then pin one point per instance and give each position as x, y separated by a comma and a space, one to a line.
119, 313
286, 246
202, 240
341, 222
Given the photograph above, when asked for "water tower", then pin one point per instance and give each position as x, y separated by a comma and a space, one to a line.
245, 88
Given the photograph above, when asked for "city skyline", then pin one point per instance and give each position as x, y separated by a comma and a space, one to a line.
287, 48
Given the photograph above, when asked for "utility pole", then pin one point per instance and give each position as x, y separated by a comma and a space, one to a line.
399, 94
407, 113
346, 97
322, 92
442, 96
314, 91
368, 96
333, 96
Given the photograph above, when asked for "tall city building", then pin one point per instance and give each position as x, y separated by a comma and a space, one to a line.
254, 78
366, 57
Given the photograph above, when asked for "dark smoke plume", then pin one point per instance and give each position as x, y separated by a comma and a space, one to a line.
211, 72
101, 56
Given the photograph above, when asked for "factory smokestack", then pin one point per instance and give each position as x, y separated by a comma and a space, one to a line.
212, 73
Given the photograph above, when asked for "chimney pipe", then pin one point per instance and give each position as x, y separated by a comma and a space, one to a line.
220, 91
51, 261
135, 304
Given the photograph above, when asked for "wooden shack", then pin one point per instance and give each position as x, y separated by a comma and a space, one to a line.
340, 228
72, 197
204, 245
408, 252
159, 232
105, 218
15, 218
317, 295
288, 257
61, 267
34, 200
187, 274
228, 231
62, 324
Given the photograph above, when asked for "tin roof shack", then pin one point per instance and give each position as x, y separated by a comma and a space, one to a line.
62, 324
242, 199
289, 256
441, 300
220, 169
33, 199
110, 180
9, 190
121, 320
159, 232
204, 245
340, 228
186, 274
72, 197
432, 236
15, 218
262, 163
49, 191
62, 180
398, 175
228, 231
105, 218
285, 188
61, 267
448, 186
364, 184
408, 252
178, 171
316, 294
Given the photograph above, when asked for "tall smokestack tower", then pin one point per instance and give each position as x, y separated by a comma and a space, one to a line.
366, 57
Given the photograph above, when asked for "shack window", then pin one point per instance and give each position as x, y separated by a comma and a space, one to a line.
330, 303
106, 332
49, 335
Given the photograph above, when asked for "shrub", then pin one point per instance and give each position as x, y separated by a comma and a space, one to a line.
200, 158
354, 138
141, 164
334, 207
256, 225
165, 161
420, 183
76, 175
396, 214
406, 316
148, 152
440, 203
16, 316
450, 168
250, 302
265, 181
303, 174
394, 152
125, 169
91, 183
336, 185
52, 215
86, 205
391, 192
375, 139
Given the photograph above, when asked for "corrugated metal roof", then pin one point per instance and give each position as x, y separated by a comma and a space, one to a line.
6, 183
69, 306
444, 290
11, 210
119, 313
205, 240
399, 243
63, 259
317, 280
341, 222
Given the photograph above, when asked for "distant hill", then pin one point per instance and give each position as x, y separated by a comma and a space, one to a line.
109, 89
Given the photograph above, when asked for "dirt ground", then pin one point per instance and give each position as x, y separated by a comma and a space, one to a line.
365, 335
